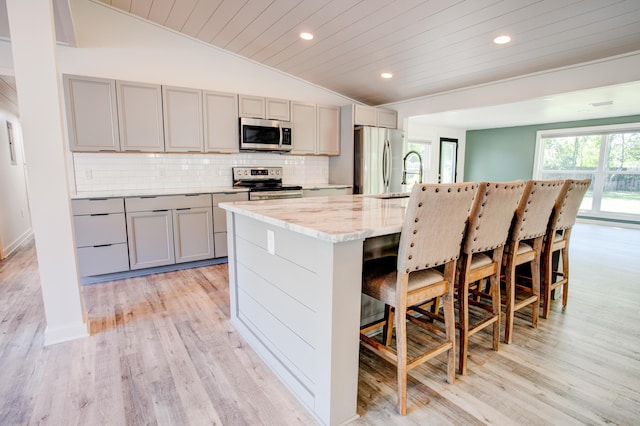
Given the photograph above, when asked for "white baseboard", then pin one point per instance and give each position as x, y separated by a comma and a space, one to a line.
11, 247
56, 335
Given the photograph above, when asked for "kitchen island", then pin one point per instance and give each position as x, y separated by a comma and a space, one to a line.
295, 271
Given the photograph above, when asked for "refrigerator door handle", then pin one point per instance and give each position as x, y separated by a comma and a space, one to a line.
386, 164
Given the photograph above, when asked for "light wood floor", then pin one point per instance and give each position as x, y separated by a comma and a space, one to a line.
162, 351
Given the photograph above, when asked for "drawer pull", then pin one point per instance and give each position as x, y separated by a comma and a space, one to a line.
98, 199
192, 195
99, 214
148, 196
104, 245
184, 208
158, 211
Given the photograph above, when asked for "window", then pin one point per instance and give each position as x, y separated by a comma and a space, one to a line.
609, 155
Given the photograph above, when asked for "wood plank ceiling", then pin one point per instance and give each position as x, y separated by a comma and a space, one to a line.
429, 46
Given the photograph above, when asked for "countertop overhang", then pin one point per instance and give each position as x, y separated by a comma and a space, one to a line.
334, 219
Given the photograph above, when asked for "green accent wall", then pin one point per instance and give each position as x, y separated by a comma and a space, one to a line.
507, 153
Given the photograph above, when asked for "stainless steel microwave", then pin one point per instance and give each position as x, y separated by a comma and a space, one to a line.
264, 135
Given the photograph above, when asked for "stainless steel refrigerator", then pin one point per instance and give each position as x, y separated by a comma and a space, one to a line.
377, 160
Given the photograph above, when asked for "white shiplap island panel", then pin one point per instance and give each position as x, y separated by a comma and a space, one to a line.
295, 271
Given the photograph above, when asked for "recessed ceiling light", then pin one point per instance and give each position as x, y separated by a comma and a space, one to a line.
502, 39
386, 75
306, 36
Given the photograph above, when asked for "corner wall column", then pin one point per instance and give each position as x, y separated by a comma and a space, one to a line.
33, 46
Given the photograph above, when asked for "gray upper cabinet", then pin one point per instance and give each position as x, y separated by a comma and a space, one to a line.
328, 130
304, 121
140, 116
92, 115
220, 122
278, 109
251, 106
366, 116
387, 118
380, 117
182, 111
265, 108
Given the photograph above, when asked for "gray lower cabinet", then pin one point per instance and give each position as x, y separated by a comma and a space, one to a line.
164, 230
193, 234
101, 236
220, 219
150, 238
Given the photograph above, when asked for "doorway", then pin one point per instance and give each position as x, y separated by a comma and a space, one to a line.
448, 170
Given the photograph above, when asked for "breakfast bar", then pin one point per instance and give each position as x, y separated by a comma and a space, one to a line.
295, 290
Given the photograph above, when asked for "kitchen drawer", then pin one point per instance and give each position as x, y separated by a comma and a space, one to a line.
167, 202
99, 229
97, 205
103, 259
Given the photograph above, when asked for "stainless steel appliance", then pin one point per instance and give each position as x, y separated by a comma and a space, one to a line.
264, 135
264, 183
377, 160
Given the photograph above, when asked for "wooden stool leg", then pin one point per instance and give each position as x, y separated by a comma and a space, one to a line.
510, 300
547, 280
450, 328
463, 318
387, 330
494, 290
401, 347
565, 271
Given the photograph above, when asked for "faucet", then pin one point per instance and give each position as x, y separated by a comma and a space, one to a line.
404, 167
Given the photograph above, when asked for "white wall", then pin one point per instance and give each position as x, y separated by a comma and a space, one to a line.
414, 129
15, 217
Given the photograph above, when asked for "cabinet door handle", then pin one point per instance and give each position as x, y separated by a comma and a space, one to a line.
98, 199
163, 210
184, 208
104, 245
148, 196
99, 214
191, 195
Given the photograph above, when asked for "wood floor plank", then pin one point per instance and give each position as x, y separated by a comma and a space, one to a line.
162, 351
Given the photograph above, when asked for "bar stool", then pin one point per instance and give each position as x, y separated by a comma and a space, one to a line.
563, 217
430, 238
481, 258
524, 246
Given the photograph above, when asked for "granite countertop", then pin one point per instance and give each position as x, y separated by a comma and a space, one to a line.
152, 192
334, 219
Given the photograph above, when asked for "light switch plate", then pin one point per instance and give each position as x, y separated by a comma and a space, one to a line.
271, 242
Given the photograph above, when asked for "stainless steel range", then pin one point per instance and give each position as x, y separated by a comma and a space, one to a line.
264, 183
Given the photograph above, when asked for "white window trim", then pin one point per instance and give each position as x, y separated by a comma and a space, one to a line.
612, 128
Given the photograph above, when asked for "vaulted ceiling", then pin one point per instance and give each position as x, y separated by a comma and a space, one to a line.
429, 46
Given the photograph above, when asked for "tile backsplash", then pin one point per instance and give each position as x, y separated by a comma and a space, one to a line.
127, 171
